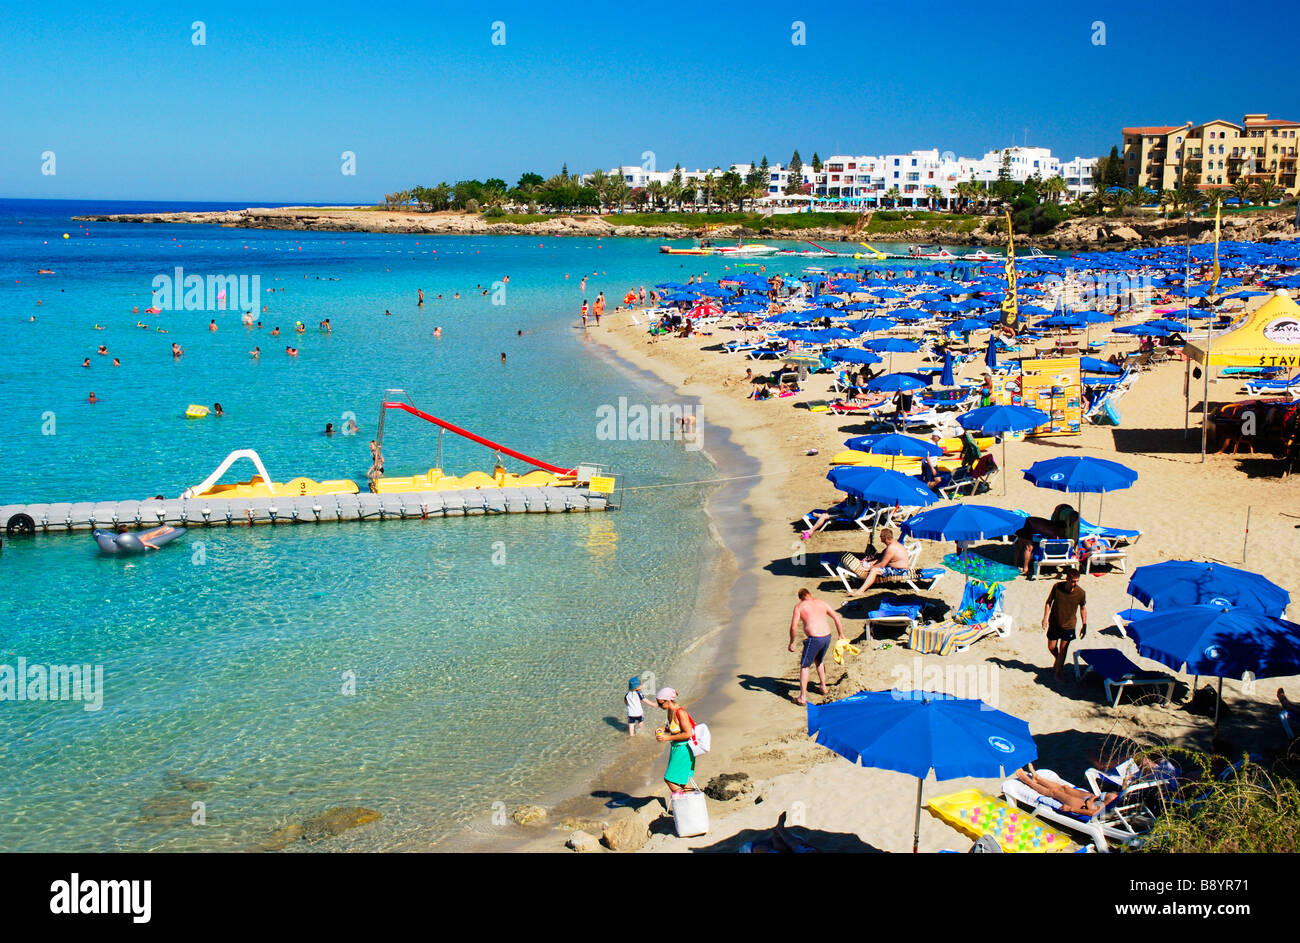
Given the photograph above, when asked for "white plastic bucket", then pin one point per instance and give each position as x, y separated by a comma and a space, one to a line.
690, 813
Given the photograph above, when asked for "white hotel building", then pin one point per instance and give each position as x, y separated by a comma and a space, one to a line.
864, 180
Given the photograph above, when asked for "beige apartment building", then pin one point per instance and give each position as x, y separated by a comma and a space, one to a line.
1217, 153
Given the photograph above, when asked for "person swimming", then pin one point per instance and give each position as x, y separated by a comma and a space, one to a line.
92, 398
256, 353
437, 332
217, 410
329, 428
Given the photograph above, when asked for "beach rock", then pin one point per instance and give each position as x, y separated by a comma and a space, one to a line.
582, 842
528, 815
336, 821
167, 809
727, 786
1125, 234
283, 838
628, 833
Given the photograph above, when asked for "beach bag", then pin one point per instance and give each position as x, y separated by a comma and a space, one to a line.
700, 740
690, 813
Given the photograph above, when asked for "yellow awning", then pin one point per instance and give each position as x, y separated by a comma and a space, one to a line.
1269, 338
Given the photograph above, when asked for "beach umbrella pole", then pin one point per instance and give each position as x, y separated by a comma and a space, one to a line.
916, 832
1217, 701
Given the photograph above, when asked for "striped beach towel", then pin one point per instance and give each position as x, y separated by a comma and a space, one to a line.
943, 638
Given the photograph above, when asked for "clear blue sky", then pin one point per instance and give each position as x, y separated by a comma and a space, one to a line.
133, 109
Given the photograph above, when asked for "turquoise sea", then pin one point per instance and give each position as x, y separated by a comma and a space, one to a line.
427, 670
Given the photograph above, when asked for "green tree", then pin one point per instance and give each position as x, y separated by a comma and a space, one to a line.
935, 195
1243, 189
816, 163
892, 196
530, 182
1266, 191
1054, 187
795, 183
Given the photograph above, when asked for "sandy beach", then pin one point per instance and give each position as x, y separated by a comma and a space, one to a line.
1185, 509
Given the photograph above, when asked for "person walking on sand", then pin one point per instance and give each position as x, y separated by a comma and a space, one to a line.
599, 307
1066, 604
816, 617
678, 732
584, 312
420, 293
635, 701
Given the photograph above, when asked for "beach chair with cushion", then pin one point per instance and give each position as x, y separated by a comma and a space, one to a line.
865, 518
1116, 535
1274, 387
1095, 549
833, 564
894, 611
1123, 820
979, 615
1051, 553
1128, 773
1118, 672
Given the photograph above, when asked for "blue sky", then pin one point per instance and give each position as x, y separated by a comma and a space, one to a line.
132, 109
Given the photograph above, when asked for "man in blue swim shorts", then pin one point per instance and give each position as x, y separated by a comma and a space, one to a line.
816, 618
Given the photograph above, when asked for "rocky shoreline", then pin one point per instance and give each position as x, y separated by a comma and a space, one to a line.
1080, 233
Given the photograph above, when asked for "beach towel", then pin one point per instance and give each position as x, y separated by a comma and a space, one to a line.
944, 638
843, 647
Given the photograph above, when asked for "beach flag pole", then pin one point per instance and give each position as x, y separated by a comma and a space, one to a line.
1246, 539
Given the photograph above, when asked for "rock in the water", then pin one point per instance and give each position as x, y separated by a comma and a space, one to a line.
626, 834
336, 821
728, 786
529, 815
283, 838
582, 841
166, 809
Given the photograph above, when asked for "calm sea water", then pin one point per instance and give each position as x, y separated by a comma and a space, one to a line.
487, 653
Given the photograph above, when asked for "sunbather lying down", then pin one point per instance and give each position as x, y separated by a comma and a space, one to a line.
1070, 799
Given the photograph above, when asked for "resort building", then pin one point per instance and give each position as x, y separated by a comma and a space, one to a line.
921, 178
1215, 153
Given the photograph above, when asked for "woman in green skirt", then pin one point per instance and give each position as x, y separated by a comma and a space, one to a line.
678, 732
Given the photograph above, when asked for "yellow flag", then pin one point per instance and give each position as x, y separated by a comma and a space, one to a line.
1218, 214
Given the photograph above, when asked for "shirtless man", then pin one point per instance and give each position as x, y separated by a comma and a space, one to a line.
816, 617
892, 561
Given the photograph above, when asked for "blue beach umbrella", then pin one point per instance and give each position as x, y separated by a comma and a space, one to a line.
893, 345
1176, 583
991, 354
963, 522
1076, 474
869, 325
914, 732
1064, 320
852, 355
1000, 419
894, 443
1094, 365
897, 382
881, 485
1219, 642
965, 325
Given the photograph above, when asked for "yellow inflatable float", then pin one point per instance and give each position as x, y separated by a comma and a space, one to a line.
194, 411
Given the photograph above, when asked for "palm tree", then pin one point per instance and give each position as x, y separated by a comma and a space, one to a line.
673, 192
935, 195
1140, 195
1266, 191
1169, 200
1054, 187
655, 190
892, 195
1242, 188
709, 184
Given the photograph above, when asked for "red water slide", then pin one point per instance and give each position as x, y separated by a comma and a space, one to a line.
495, 446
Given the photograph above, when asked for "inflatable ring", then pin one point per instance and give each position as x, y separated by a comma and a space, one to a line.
20, 525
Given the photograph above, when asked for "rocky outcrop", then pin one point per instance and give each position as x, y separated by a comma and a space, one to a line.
582, 842
728, 786
1095, 232
628, 833
528, 815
